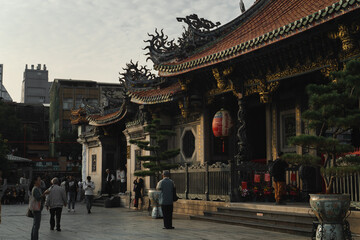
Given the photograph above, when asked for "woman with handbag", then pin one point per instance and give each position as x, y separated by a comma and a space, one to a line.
36, 205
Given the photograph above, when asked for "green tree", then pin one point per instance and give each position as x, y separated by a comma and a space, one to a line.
159, 157
333, 110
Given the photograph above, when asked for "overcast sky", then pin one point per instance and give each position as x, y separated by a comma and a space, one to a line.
91, 39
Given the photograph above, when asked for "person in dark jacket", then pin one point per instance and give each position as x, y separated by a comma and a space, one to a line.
36, 206
166, 186
138, 189
278, 172
71, 189
110, 179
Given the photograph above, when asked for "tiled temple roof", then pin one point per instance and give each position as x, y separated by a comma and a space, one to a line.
153, 96
108, 119
79, 117
278, 20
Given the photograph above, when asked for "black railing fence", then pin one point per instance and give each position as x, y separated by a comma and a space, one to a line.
203, 181
221, 181
350, 184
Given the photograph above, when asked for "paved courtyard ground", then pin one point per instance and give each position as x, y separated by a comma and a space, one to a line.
122, 223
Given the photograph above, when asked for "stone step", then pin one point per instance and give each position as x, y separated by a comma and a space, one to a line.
263, 218
290, 207
284, 215
266, 226
99, 202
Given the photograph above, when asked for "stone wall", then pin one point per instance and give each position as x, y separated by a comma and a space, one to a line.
196, 207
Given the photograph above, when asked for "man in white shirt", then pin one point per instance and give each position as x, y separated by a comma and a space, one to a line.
89, 187
110, 178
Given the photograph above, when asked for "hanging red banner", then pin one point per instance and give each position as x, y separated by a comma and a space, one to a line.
267, 177
244, 185
257, 178
293, 177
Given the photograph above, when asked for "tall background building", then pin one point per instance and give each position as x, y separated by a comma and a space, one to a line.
35, 85
3, 93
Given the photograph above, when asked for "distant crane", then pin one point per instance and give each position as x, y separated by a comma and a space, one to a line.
242, 6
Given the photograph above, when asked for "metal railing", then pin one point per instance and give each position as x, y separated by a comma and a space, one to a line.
203, 182
216, 183
350, 184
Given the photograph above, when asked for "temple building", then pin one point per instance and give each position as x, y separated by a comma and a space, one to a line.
254, 71
255, 67
100, 129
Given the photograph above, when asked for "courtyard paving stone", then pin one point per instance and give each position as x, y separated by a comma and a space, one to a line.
123, 223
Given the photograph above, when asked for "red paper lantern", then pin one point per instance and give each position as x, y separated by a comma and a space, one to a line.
222, 123
293, 177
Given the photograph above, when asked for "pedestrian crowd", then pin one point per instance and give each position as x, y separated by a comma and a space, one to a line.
54, 197
14, 195
54, 194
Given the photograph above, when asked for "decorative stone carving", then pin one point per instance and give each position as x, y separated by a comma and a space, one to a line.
198, 33
139, 77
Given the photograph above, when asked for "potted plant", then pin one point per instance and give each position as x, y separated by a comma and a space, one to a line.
268, 191
292, 191
244, 194
333, 110
256, 193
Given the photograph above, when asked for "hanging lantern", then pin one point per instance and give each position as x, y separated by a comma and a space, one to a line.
221, 125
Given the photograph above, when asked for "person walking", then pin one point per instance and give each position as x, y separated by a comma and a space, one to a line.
110, 178
36, 206
122, 180
63, 183
80, 195
278, 172
138, 189
55, 201
166, 186
72, 188
89, 187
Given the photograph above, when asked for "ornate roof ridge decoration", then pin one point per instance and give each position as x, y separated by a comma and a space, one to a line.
154, 96
316, 18
139, 77
98, 120
199, 32
78, 116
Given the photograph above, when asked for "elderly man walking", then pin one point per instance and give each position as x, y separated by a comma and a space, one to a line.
166, 186
55, 201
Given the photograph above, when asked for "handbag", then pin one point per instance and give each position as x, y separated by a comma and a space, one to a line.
33, 204
29, 213
175, 197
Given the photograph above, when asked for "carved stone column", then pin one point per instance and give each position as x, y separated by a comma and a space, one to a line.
268, 132
241, 133
298, 123
274, 140
242, 151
